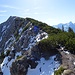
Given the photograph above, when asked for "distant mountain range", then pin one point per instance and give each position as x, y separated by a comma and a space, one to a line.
66, 26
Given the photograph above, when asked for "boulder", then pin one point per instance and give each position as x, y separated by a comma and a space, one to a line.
19, 67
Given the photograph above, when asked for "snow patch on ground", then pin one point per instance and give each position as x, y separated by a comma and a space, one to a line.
12, 48
8, 26
67, 52
18, 54
44, 67
20, 30
5, 66
41, 36
9, 42
0, 39
4, 27
30, 28
34, 39
74, 63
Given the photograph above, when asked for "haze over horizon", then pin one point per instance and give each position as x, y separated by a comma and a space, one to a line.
51, 12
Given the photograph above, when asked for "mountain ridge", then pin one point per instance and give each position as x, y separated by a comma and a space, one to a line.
28, 46
19, 39
66, 26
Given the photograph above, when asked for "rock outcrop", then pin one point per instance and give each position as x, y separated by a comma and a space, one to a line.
19, 67
19, 47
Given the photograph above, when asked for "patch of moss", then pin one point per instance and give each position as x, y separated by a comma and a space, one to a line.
16, 33
25, 28
17, 38
18, 57
2, 56
8, 52
59, 71
44, 26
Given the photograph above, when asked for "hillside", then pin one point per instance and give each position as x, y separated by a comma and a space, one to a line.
20, 48
28, 46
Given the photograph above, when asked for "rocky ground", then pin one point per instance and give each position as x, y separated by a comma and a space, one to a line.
68, 61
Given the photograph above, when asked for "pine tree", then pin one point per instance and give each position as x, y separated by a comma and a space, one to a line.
62, 28
70, 29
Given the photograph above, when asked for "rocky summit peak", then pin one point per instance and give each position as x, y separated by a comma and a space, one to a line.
11, 17
20, 48
70, 22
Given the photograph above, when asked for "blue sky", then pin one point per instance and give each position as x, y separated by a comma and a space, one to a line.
51, 12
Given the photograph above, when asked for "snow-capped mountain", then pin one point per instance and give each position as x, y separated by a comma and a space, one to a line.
66, 26
19, 51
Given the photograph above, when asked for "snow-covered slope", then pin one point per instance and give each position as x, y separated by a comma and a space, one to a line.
5, 66
19, 38
66, 26
45, 67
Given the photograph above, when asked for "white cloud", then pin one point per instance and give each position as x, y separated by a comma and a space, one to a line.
37, 8
27, 10
2, 15
36, 13
3, 11
27, 13
24, 10
52, 21
8, 6
42, 13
